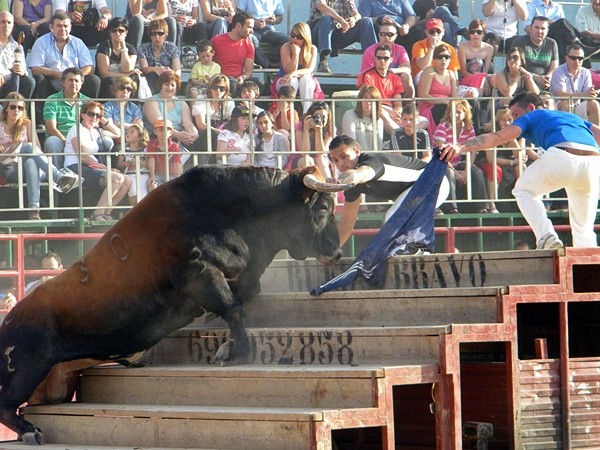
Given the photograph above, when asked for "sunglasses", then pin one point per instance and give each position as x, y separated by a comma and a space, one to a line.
514, 57
127, 88
219, 88
93, 114
435, 31
382, 58
475, 31
296, 36
387, 34
575, 58
118, 30
157, 33
19, 107
445, 57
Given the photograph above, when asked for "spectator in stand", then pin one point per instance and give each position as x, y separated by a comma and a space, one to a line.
234, 140
33, 20
123, 89
444, 10
165, 105
423, 51
476, 57
158, 56
132, 161
84, 141
436, 87
203, 70
89, 19
400, 61
234, 50
549, 9
18, 137
389, 84
570, 81
510, 158
249, 92
266, 14
57, 51
164, 156
216, 107
50, 261
411, 137
396, 13
336, 24
298, 62
313, 134
541, 52
286, 116
140, 13
271, 147
364, 122
60, 115
13, 73
458, 122
502, 19
513, 79
587, 22
115, 57
217, 15
190, 29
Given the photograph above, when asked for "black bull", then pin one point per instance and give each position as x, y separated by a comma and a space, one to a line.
198, 243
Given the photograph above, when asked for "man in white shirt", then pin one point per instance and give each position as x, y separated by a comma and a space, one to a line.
502, 18
13, 74
570, 80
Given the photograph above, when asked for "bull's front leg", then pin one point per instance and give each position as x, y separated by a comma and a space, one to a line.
208, 289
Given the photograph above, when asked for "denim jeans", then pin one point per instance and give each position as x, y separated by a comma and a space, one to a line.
330, 39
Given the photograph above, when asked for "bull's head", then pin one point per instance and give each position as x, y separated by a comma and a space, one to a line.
324, 237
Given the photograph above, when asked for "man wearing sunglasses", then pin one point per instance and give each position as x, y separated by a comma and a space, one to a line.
398, 13
389, 84
422, 51
570, 81
400, 62
569, 160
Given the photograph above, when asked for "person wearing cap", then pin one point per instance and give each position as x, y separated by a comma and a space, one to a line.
569, 160
422, 51
234, 139
164, 160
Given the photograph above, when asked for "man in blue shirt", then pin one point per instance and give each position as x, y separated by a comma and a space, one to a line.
569, 160
56, 51
266, 14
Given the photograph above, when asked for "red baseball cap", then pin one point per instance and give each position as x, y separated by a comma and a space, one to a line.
434, 23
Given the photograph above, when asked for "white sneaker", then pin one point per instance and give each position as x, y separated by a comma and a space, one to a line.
68, 181
549, 242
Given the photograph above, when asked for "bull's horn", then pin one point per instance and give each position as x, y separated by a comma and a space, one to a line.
312, 182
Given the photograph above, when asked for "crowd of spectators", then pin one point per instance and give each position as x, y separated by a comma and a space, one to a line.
423, 81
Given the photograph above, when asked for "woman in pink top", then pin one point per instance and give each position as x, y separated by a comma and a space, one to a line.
437, 85
456, 127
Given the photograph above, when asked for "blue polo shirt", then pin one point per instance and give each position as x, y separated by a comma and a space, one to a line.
545, 128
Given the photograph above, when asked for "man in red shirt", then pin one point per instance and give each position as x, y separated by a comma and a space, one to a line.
234, 50
388, 83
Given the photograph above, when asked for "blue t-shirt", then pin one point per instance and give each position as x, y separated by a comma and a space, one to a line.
546, 128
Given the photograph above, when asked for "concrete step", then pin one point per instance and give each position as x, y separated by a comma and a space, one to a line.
409, 307
457, 270
243, 428
251, 385
330, 346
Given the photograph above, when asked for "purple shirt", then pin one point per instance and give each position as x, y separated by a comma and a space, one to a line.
399, 57
32, 13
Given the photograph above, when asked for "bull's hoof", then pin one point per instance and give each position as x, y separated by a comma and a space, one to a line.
33, 437
231, 352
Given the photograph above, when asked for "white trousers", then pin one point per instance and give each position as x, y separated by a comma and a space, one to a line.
557, 169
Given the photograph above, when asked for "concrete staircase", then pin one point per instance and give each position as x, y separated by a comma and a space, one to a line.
318, 364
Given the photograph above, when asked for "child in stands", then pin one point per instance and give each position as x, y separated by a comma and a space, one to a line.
160, 156
132, 157
203, 70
